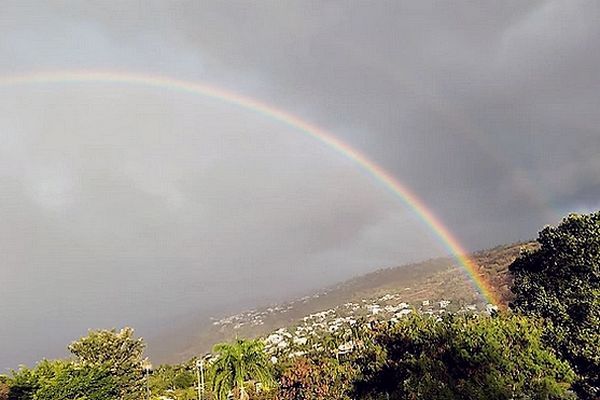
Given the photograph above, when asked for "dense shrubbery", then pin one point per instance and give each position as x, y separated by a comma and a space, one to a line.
64, 380
548, 347
177, 381
104, 365
462, 357
315, 378
560, 282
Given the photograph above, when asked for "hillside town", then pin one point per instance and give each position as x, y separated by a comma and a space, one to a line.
291, 340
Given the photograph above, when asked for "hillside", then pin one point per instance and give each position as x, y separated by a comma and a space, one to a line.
429, 286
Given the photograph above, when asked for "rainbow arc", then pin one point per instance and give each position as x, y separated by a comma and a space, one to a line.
401, 191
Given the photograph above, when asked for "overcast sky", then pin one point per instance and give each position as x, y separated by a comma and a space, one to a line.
125, 204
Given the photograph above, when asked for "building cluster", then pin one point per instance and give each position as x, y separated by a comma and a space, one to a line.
252, 317
308, 331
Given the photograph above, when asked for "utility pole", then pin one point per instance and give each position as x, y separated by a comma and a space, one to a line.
200, 376
147, 367
198, 363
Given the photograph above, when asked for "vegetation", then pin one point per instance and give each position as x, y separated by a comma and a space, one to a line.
62, 380
239, 365
462, 357
175, 381
4, 388
560, 282
316, 378
547, 347
119, 353
104, 365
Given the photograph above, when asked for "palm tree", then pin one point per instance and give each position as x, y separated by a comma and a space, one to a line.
238, 364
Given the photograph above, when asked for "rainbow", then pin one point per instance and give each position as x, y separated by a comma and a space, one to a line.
411, 200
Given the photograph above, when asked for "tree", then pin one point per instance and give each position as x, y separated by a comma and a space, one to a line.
238, 364
4, 387
460, 357
560, 282
62, 380
315, 379
117, 351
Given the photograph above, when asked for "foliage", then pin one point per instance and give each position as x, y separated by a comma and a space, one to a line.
174, 381
66, 380
315, 379
560, 282
23, 384
62, 380
455, 357
238, 365
4, 387
461, 357
117, 351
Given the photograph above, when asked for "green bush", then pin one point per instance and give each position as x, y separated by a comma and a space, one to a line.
175, 381
560, 282
464, 357
62, 380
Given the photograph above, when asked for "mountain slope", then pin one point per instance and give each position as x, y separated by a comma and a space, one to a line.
432, 281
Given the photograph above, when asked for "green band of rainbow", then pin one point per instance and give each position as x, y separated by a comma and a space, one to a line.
415, 204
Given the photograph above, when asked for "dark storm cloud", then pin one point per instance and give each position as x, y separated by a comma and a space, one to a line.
482, 109
487, 111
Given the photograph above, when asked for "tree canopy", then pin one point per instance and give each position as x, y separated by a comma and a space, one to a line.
236, 365
62, 380
463, 357
119, 352
315, 378
560, 282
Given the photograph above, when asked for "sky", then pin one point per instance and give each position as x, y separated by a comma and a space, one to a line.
132, 205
